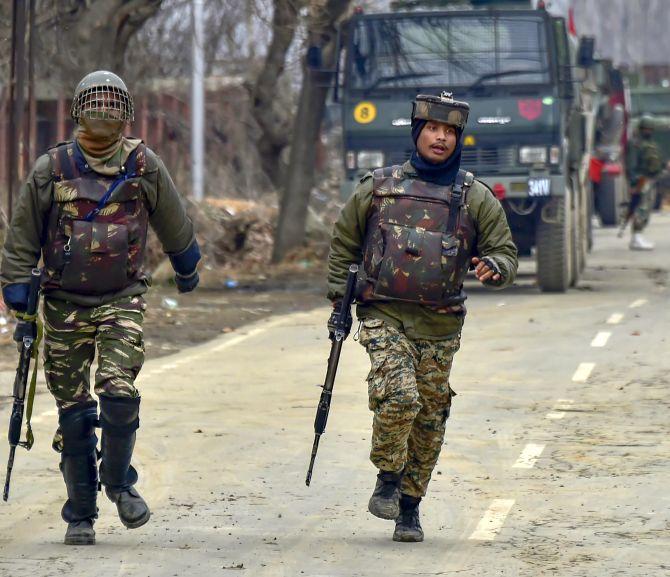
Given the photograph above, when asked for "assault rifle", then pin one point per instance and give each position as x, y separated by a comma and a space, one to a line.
26, 352
337, 336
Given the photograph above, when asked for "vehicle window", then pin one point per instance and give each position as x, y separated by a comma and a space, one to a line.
448, 51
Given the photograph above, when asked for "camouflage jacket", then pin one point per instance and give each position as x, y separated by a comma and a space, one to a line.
643, 158
27, 233
493, 239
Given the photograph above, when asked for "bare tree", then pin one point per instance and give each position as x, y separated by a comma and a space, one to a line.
322, 50
273, 119
81, 36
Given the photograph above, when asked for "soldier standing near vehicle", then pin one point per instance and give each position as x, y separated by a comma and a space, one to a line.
417, 228
644, 164
85, 209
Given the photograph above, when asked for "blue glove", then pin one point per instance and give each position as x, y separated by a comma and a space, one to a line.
185, 284
15, 296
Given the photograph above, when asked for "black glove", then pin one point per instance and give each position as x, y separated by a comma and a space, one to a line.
24, 329
186, 284
334, 319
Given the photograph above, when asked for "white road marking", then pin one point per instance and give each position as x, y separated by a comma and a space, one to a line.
583, 372
638, 303
601, 339
493, 520
555, 415
529, 456
237, 339
615, 319
252, 333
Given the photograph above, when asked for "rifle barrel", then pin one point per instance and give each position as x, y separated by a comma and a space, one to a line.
315, 448
10, 466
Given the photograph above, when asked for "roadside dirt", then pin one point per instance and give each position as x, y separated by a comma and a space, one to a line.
175, 321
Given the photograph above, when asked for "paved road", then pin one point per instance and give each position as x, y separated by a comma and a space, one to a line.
556, 462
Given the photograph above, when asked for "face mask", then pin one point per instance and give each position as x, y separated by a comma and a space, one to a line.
108, 130
100, 136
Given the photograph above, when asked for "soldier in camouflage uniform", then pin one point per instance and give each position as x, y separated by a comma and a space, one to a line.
85, 209
644, 164
417, 228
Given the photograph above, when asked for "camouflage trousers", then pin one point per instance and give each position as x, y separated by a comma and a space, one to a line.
643, 210
409, 393
72, 333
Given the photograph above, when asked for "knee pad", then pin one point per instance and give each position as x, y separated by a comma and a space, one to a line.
77, 425
119, 416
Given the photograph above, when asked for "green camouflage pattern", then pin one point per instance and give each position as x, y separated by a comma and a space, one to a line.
644, 160
642, 213
106, 254
441, 109
71, 335
410, 396
407, 254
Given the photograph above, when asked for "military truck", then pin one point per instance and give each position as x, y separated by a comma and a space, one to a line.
528, 135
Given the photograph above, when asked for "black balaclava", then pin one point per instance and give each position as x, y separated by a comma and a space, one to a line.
443, 173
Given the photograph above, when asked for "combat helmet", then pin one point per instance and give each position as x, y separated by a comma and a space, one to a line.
102, 95
441, 108
647, 122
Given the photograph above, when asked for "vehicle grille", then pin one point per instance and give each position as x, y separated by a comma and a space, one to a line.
489, 159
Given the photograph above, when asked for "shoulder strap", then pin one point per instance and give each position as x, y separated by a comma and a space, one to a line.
379, 175
63, 161
458, 191
137, 161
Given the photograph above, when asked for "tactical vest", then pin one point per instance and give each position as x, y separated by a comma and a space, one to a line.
97, 228
419, 240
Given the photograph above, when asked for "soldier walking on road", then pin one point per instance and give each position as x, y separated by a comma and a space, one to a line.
85, 209
644, 165
417, 228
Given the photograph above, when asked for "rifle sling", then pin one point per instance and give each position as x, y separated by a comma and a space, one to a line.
30, 439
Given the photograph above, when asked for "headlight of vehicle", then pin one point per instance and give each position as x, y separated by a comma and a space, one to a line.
533, 155
370, 159
555, 154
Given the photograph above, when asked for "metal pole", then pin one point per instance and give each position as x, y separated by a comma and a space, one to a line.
198, 103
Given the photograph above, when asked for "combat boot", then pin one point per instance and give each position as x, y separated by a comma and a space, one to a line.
80, 533
407, 526
384, 502
638, 242
119, 421
79, 467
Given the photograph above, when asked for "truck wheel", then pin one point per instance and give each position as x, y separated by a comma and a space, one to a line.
608, 200
553, 246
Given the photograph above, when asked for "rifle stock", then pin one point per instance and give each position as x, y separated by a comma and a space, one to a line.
337, 337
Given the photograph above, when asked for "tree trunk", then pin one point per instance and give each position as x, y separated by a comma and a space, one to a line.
322, 33
98, 33
273, 119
